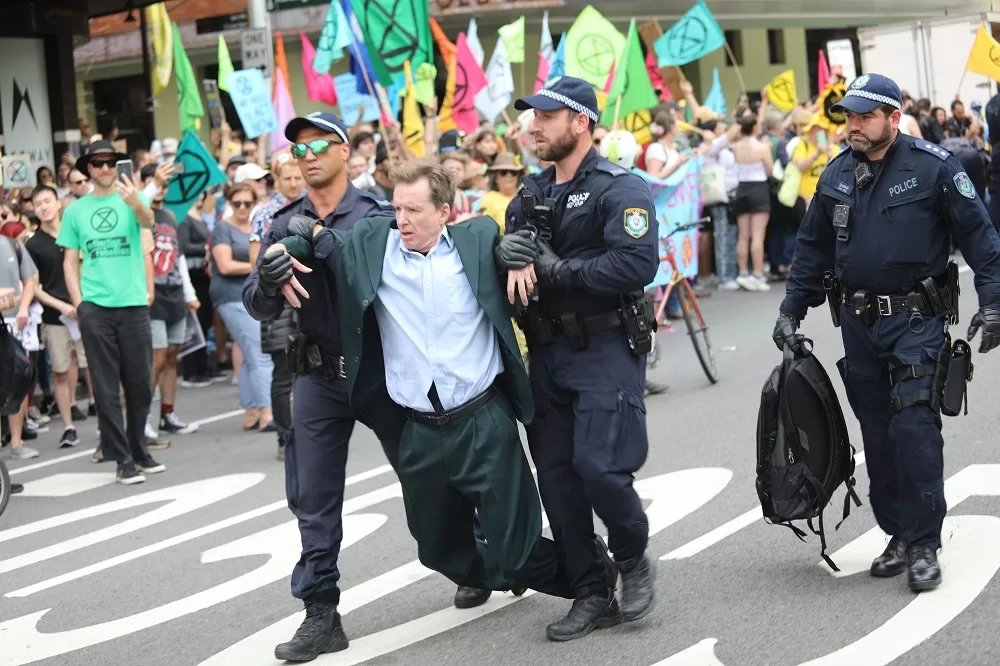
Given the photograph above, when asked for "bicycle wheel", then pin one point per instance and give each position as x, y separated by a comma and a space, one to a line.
698, 330
4, 487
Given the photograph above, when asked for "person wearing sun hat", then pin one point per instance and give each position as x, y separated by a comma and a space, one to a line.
504, 176
882, 219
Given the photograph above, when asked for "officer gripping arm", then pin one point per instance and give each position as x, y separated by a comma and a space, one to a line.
815, 249
976, 236
262, 292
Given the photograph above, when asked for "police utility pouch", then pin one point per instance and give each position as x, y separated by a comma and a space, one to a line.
841, 221
639, 320
834, 296
955, 396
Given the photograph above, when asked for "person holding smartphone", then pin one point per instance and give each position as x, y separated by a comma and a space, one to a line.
109, 292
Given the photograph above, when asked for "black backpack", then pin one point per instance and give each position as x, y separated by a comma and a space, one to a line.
803, 449
17, 372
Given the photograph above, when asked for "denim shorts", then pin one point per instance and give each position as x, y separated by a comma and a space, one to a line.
165, 334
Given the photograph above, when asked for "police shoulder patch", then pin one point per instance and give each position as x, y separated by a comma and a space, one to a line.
964, 185
932, 148
636, 222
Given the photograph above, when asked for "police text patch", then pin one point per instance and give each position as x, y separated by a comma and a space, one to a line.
636, 222
964, 185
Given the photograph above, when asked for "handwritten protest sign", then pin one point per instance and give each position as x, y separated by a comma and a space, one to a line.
252, 100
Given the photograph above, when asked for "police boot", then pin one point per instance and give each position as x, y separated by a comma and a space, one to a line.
610, 566
588, 613
320, 632
638, 576
470, 597
922, 569
892, 561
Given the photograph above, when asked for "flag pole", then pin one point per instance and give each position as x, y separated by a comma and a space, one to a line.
364, 72
958, 91
618, 107
736, 66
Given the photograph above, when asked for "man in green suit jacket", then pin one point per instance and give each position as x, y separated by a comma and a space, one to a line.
430, 352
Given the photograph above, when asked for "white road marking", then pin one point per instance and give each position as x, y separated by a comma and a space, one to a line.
699, 654
49, 463
64, 485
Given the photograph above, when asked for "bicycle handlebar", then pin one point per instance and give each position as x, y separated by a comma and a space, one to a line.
701, 222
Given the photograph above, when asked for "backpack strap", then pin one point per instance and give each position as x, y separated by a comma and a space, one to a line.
822, 542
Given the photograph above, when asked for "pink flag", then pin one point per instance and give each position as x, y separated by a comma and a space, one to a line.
610, 80
319, 87
662, 91
469, 80
544, 67
283, 109
823, 72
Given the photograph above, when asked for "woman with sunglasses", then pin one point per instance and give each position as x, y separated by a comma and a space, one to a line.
230, 250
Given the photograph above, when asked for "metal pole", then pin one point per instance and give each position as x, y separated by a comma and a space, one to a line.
257, 12
147, 75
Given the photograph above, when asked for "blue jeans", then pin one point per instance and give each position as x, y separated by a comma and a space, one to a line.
255, 372
724, 235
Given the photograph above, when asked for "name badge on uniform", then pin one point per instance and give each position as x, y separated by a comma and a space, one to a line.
841, 221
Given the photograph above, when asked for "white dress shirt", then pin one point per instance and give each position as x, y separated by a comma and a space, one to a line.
433, 329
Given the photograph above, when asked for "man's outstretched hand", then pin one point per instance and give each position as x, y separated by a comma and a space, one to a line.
276, 275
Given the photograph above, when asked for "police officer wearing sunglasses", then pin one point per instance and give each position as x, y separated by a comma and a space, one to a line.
316, 450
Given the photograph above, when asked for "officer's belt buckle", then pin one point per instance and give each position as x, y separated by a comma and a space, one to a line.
884, 306
340, 367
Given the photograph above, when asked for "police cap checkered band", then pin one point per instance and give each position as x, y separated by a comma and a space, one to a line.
565, 92
875, 97
566, 101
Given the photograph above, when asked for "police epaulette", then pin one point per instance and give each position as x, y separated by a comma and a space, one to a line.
932, 148
610, 167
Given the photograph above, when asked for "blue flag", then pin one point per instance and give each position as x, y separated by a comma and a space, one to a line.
335, 37
559, 62
363, 65
715, 100
195, 170
695, 36
677, 199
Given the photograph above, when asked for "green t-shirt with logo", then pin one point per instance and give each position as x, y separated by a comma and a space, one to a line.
108, 236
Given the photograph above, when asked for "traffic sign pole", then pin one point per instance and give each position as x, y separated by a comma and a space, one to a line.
261, 19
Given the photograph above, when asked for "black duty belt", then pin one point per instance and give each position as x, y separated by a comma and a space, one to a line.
331, 366
595, 324
445, 419
886, 306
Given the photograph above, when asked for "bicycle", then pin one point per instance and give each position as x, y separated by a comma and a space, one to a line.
690, 309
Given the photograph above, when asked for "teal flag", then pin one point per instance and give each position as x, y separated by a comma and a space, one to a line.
716, 100
559, 63
336, 37
195, 170
695, 36
395, 31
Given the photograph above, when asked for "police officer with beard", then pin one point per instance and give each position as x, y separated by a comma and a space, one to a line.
881, 221
587, 230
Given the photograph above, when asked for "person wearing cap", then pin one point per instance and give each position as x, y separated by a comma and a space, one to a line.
587, 382
322, 422
109, 292
882, 219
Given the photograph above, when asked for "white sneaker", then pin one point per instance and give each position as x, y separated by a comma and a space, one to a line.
150, 433
23, 453
730, 285
762, 283
748, 283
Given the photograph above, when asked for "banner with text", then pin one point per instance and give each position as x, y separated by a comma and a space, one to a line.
678, 202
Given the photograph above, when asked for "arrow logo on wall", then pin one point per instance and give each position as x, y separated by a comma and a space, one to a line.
22, 97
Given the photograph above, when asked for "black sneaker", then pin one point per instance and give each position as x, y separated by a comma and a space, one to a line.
587, 614
76, 414
170, 423
48, 406
91, 409
69, 438
150, 466
28, 434
128, 475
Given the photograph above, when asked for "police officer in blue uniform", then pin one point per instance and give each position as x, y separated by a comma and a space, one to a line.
316, 451
880, 223
586, 230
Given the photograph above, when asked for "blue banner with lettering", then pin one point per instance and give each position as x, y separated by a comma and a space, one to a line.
678, 202
252, 98
350, 101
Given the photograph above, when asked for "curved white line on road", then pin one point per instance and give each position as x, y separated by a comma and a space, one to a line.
23, 643
699, 654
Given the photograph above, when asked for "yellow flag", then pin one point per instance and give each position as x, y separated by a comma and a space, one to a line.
602, 100
639, 124
163, 45
781, 91
985, 55
445, 120
512, 35
413, 125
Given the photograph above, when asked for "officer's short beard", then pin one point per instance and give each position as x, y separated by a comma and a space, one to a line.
868, 144
558, 150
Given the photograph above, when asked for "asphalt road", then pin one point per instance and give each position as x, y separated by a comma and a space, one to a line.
192, 567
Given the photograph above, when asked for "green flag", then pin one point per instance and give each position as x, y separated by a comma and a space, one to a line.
200, 171
395, 31
631, 82
512, 35
189, 107
225, 64
592, 44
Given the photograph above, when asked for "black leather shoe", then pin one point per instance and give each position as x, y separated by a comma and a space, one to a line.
470, 597
587, 614
320, 632
638, 598
892, 561
610, 566
922, 569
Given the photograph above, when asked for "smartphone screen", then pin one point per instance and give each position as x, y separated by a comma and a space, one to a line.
124, 167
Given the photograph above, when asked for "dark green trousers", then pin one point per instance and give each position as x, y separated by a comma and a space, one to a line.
449, 473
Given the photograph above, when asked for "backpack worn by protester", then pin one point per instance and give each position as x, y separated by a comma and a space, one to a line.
17, 372
803, 449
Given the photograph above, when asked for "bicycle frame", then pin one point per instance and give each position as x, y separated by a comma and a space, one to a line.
674, 281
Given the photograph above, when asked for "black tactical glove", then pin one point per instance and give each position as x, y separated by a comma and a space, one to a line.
784, 333
298, 247
989, 318
547, 266
516, 250
301, 226
274, 271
